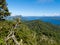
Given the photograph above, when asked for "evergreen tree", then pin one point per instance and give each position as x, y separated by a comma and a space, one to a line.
3, 9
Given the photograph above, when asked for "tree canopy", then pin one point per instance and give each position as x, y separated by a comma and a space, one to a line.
3, 9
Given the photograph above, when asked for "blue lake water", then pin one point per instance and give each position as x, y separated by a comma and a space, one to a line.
52, 20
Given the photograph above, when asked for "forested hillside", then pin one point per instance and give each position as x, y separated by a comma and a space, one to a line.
44, 29
30, 32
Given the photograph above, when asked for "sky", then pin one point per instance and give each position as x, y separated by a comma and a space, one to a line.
34, 7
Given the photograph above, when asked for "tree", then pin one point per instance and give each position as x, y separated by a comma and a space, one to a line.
3, 9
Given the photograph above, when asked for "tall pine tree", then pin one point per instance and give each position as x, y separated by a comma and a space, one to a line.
3, 9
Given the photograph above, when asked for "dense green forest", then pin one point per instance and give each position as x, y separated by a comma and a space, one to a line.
33, 32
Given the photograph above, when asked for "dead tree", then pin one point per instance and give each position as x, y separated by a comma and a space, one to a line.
12, 36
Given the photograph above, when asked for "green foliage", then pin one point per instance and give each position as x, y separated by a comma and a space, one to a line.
3, 9
2, 41
42, 28
31, 32
22, 32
